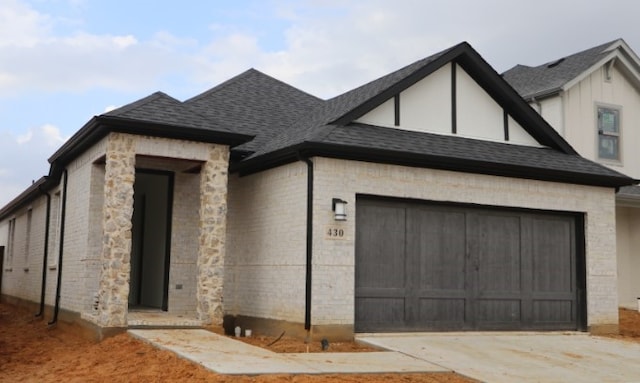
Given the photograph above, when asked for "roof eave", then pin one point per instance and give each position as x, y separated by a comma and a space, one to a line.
384, 156
100, 126
96, 129
29, 194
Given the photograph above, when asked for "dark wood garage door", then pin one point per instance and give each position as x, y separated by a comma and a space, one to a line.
427, 267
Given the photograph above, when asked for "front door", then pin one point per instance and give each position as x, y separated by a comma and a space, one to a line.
151, 239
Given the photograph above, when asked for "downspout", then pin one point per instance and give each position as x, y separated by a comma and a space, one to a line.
309, 269
63, 214
45, 256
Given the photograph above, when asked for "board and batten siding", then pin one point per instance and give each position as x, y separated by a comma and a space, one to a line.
334, 258
580, 117
426, 106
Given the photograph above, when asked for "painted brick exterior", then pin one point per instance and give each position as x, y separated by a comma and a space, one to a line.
266, 244
333, 263
83, 240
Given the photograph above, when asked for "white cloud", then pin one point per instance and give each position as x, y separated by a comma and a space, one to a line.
36, 59
24, 138
21, 25
24, 158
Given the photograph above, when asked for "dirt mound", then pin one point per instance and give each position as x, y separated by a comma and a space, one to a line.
32, 352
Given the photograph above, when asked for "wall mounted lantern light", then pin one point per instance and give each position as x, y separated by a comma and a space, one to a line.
339, 208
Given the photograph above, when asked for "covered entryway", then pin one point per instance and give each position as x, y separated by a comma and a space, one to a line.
424, 266
151, 240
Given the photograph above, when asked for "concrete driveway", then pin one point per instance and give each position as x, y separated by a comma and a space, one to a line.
521, 357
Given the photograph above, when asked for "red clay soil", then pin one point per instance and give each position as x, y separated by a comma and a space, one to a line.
31, 352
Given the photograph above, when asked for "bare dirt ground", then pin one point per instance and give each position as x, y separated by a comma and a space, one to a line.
629, 326
31, 352
286, 344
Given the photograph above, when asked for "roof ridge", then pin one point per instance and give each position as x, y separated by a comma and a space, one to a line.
139, 103
601, 48
240, 76
222, 85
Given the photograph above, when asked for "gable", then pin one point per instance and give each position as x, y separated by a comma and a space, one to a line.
449, 101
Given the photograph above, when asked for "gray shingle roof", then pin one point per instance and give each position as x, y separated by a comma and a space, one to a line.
550, 77
454, 148
315, 123
630, 191
254, 103
159, 108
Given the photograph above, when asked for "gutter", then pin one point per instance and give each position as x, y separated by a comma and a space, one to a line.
394, 157
45, 256
63, 214
309, 258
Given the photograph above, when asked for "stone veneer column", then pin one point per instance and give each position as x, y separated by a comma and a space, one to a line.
116, 247
213, 222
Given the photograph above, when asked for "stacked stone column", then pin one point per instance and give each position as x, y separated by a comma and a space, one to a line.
117, 213
213, 223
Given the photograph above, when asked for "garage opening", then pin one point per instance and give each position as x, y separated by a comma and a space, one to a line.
424, 266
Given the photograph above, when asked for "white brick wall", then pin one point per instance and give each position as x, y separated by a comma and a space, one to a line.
83, 232
333, 262
266, 235
24, 279
184, 244
266, 244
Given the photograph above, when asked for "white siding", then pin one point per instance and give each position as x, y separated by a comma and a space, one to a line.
383, 115
628, 243
479, 116
581, 123
551, 111
426, 107
517, 134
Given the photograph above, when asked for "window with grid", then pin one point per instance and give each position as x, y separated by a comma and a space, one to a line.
608, 133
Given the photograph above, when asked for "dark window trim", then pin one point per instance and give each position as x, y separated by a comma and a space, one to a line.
396, 106
454, 112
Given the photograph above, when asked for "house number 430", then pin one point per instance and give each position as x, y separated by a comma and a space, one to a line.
335, 233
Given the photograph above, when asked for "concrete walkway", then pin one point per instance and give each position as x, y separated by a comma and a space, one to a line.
228, 356
521, 357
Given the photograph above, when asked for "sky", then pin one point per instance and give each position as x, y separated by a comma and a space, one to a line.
64, 61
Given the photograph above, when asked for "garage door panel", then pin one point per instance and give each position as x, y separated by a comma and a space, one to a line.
497, 238
441, 312
553, 311
382, 259
492, 311
552, 268
373, 314
436, 246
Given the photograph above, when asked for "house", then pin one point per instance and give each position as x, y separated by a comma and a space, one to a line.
433, 198
592, 98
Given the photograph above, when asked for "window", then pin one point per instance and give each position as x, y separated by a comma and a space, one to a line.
10, 244
28, 240
54, 236
608, 133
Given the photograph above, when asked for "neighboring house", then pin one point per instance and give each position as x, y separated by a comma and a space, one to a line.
433, 198
592, 98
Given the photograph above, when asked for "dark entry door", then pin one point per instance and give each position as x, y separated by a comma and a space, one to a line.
423, 267
151, 239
